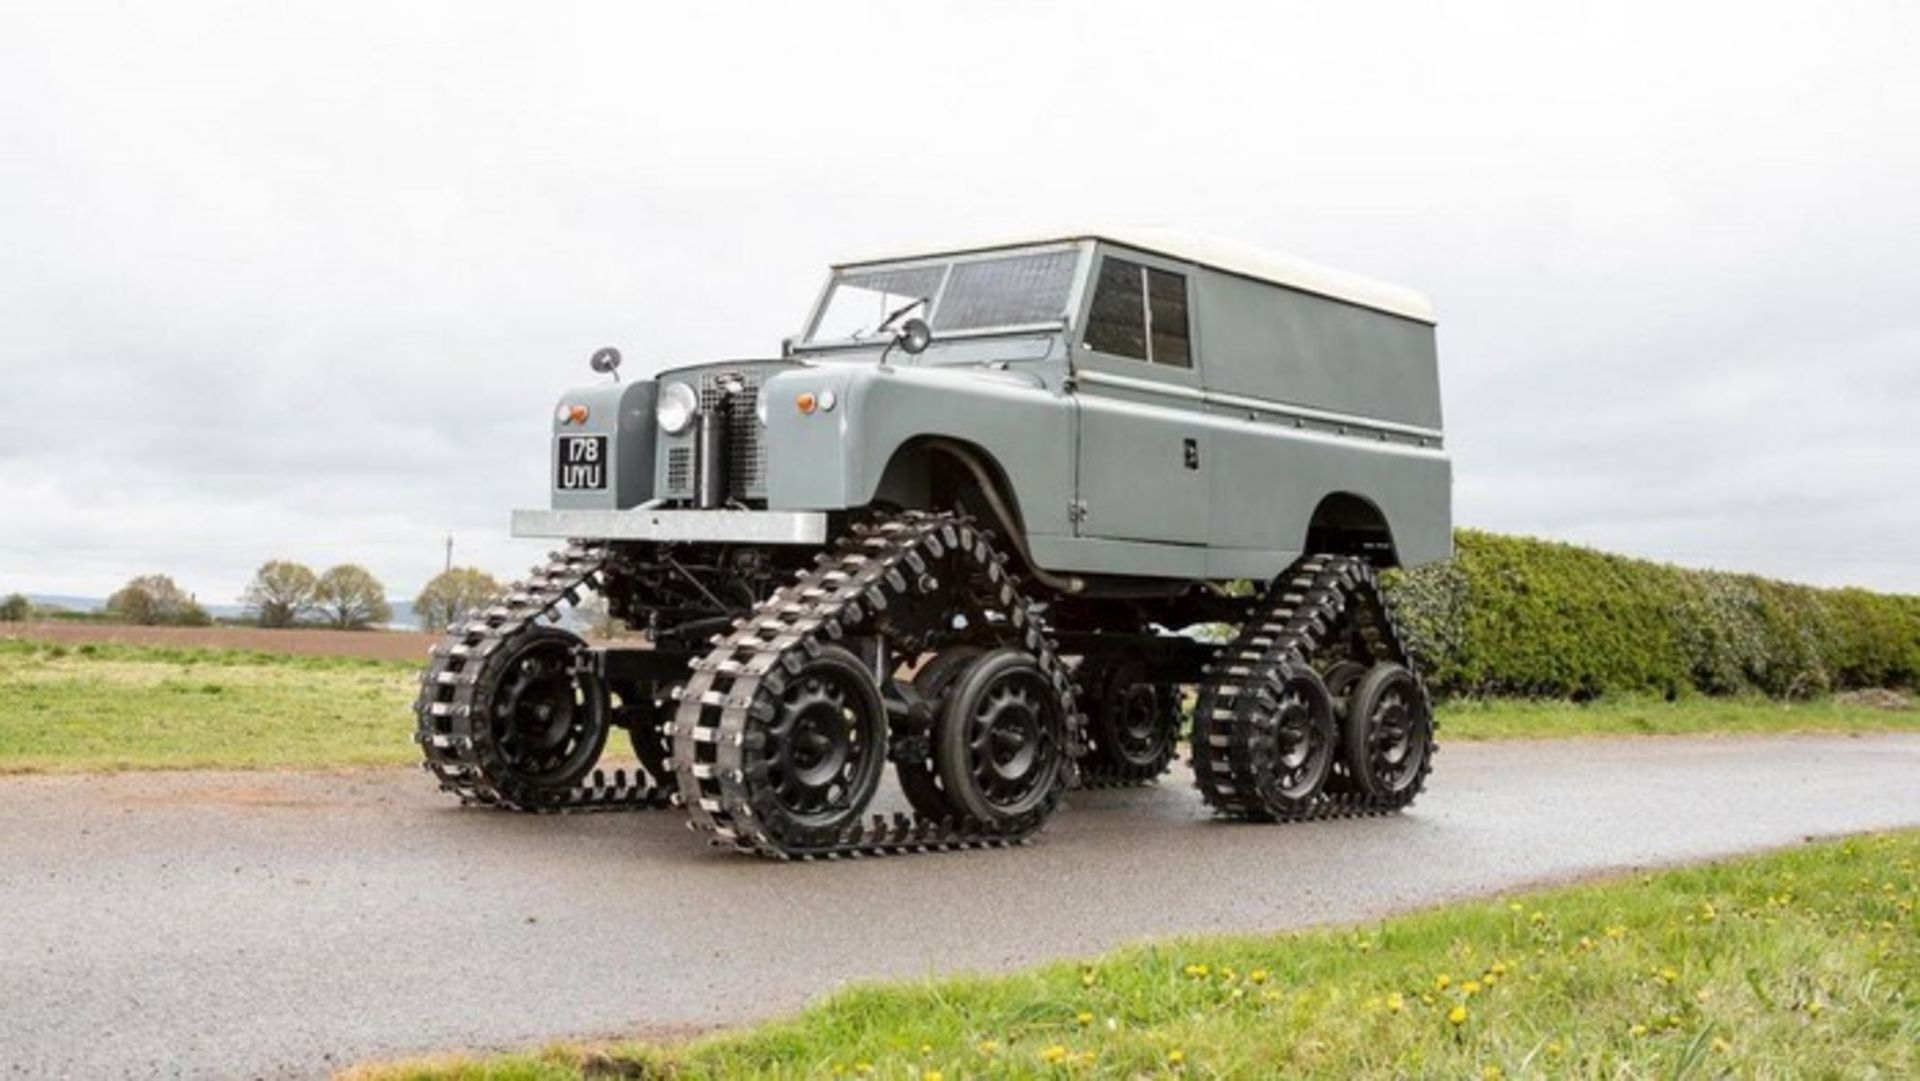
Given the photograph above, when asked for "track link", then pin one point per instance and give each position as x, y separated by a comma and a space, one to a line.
1321, 602
452, 707
883, 580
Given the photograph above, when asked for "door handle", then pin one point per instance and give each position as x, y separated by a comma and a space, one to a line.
1192, 447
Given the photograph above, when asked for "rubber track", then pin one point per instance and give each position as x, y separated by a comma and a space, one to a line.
848, 592
1316, 601
451, 708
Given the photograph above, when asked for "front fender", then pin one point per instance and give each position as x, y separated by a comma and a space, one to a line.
834, 459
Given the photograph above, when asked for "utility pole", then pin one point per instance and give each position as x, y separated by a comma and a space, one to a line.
449, 565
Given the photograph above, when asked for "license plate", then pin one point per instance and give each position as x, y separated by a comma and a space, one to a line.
582, 463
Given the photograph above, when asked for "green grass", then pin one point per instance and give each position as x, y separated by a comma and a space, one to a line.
1519, 718
1800, 963
104, 707
107, 707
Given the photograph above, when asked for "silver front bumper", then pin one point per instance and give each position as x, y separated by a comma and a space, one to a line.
729, 526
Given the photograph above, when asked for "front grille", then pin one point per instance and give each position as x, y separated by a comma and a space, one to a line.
680, 469
746, 451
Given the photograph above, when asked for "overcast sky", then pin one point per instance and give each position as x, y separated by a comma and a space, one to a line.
307, 285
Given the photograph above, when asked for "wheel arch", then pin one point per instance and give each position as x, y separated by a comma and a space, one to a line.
1348, 523
925, 469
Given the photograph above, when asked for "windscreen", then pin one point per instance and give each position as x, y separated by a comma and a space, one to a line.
965, 294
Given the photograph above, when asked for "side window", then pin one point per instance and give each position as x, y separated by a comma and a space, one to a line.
1117, 324
1140, 313
1167, 318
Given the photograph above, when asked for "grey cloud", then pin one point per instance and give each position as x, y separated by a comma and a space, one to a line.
306, 283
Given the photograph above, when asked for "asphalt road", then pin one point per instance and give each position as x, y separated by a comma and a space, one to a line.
233, 925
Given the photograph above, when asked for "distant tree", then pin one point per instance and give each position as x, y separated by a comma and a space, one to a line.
154, 599
280, 593
451, 594
350, 597
15, 609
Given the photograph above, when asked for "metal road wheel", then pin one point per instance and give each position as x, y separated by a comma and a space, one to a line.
1303, 737
1389, 731
920, 780
645, 718
1341, 677
548, 723
826, 743
1000, 744
1134, 726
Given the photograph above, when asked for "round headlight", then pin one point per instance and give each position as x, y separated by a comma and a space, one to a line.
674, 412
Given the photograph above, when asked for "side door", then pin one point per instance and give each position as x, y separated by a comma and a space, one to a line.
1142, 447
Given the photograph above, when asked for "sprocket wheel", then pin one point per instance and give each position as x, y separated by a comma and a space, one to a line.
815, 760
1389, 733
1001, 741
546, 724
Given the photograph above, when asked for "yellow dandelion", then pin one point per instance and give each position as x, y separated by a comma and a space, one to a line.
1667, 976
1490, 1073
1395, 1003
1721, 1045
1514, 906
1490, 979
1176, 1057
1442, 982
1703, 994
926, 1049
1637, 1030
1537, 917
1813, 1009
1052, 1054
1258, 975
931, 1075
1554, 1050
1236, 993
1616, 932
1196, 972
1227, 974
989, 1047
1498, 968
1372, 1003
1084, 1018
1457, 1015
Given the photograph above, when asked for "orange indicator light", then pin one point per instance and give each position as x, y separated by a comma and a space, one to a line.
806, 402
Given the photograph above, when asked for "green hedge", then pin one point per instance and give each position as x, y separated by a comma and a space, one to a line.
1513, 615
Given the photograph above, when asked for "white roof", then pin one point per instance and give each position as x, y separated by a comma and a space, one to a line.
1226, 255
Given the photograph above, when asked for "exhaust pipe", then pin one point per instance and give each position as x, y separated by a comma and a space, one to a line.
710, 457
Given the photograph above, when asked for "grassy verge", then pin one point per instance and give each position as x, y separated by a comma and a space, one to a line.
1797, 963
103, 707
1519, 718
107, 707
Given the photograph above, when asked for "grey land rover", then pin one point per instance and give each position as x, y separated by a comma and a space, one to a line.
959, 524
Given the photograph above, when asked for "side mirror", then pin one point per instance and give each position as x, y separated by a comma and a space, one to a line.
914, 337
606, 361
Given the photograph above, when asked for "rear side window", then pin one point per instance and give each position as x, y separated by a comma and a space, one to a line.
1140, 313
